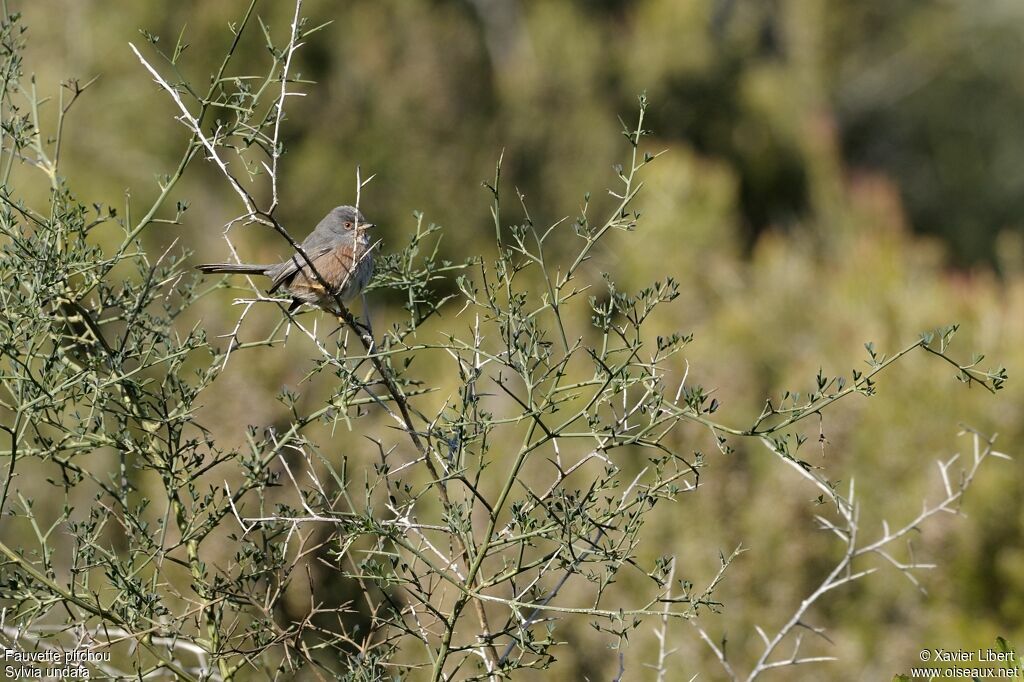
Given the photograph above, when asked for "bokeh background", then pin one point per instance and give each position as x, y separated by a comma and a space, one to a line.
836, 172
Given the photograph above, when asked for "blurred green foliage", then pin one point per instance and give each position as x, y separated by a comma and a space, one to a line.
427, 94
811, 147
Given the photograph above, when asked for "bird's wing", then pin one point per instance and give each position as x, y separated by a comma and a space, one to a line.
281, 273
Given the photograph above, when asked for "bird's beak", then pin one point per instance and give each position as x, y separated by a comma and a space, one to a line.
366, 226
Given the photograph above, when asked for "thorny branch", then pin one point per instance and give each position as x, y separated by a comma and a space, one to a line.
515, 493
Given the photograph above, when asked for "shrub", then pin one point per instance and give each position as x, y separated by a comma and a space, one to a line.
529, 459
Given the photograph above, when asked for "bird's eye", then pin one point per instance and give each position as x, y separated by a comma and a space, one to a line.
348, 224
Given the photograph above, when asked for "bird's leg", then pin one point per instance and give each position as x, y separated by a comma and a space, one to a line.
366, 311
364, 330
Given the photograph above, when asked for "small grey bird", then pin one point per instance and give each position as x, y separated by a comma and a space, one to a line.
339, 249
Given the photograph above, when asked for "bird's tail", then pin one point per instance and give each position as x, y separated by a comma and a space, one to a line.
241, 268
